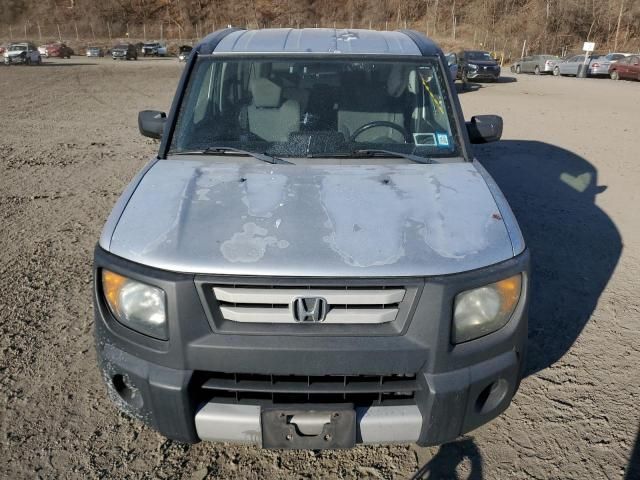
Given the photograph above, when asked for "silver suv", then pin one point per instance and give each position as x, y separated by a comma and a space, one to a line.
313, 259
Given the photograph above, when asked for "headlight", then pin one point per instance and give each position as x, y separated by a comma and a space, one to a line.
484, 310
135, 304
473, 66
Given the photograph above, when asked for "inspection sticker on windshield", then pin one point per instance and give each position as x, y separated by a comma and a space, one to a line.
443, 139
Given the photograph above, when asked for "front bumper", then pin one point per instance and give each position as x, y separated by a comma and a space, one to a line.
481, 74
14, 60
458, 387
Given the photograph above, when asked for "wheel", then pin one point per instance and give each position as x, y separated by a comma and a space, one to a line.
518, 69
27, 61
614, 75
536, 70
556, 71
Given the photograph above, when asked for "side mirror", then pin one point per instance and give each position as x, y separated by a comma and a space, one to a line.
151, 123
485, 128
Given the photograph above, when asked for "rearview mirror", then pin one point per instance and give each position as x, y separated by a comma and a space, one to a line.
151, 123
485, 128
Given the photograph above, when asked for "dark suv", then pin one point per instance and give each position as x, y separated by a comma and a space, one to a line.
124, 51
314, 258
477, 65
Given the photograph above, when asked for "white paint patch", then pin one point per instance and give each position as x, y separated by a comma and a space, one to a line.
202, 195
368, 217
250, 245
263, 193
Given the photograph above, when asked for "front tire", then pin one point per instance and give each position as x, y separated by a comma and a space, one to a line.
556, 72
537, 70
518, 71
614, 75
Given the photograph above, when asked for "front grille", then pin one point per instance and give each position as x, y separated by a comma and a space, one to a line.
279, 389
346, 305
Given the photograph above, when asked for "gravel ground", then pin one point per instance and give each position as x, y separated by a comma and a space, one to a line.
568, 164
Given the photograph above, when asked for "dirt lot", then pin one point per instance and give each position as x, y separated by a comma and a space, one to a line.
569, 165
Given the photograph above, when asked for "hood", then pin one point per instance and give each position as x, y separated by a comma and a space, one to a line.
484, 63
13, 53
193, 215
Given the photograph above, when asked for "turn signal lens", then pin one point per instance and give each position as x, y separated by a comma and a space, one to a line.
112, 284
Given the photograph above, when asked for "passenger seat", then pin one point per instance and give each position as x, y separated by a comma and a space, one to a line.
269, 117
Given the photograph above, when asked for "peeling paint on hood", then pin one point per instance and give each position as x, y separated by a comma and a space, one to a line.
192, 215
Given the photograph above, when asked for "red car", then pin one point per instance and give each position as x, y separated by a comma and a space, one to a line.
59, 50
628, 67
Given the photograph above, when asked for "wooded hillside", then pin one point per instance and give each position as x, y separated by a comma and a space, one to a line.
552, 26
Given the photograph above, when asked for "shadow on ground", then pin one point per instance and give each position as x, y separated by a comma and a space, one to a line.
574, 249
574, 244
450, 455
65, 64
473, 86
633, 469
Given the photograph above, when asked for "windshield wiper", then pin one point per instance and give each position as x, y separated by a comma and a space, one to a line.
263, 157
370, 152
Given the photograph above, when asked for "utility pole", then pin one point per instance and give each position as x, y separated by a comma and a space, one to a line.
435, 18
615, 42
453, 19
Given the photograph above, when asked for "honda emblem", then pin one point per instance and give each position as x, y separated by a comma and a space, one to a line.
309, 309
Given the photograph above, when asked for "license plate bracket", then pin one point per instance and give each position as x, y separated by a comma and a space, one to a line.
313, 427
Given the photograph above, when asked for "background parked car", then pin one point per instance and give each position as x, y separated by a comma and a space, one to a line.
477, 65
59, 50
570, 65
536, 64
42, 49
183, 52
124, 51
95, 52
602, 64
452, 60
628, 68
24, 52
154, 48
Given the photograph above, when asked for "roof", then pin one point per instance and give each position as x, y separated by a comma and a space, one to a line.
318, 40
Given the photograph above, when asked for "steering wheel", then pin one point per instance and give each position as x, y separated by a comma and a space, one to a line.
381, 123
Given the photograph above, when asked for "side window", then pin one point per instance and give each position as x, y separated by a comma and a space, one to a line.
204, 96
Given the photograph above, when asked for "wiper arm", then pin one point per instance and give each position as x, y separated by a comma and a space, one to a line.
370, 152
263, 157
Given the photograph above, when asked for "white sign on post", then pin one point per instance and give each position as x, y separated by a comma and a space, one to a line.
589, 46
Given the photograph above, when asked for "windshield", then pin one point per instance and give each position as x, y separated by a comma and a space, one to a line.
293, 107
614, 56
17, 48
121, 47
479, 56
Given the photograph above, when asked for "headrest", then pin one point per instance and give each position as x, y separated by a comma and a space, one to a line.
266, 94
397, 81
413, 82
